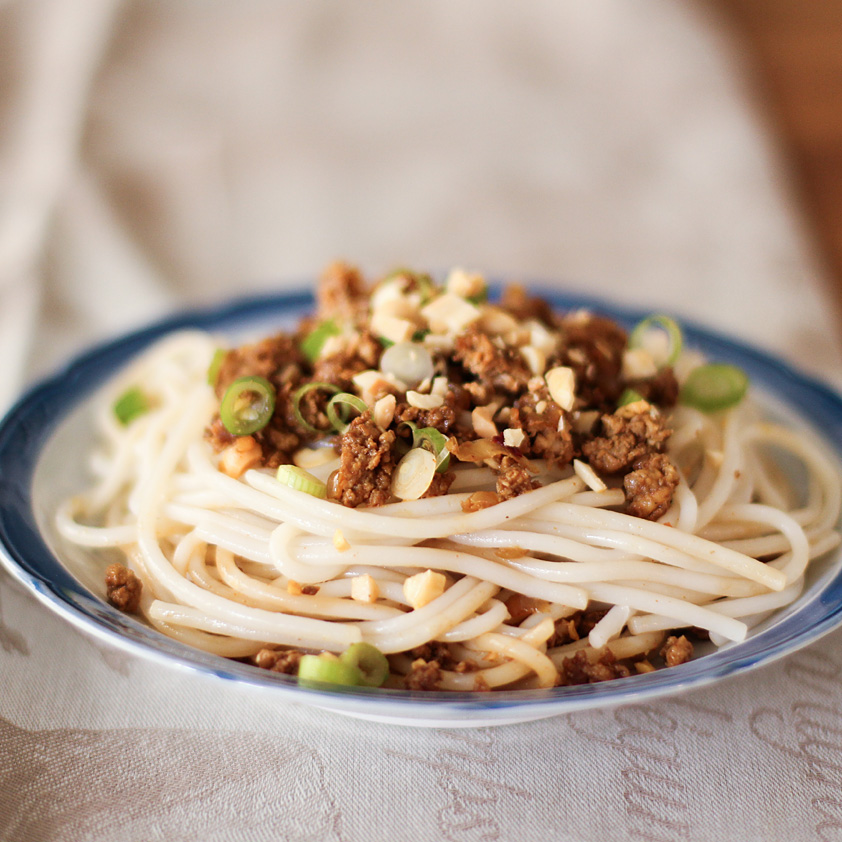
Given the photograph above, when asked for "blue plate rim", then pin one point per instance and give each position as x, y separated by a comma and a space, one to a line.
73, 383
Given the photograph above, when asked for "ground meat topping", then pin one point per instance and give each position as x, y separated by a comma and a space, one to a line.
364, 476
630, 434
443, 417
650, 486
514, 477
278, 660
484, 381
593, 347
122, 588
579, 669
503, 368
677, 650
662, 389
425, 675
546, 425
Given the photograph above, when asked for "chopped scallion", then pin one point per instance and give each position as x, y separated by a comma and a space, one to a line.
247, 405
659, 335
371, 663
629, 396
313, 342
340, 424
130, 405
714, 387
433, 440
215, 364
299, 394
301, 480
328, 669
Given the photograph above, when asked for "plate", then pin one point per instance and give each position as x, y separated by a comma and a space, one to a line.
44, 437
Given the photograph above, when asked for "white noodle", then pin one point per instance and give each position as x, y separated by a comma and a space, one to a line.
223, 560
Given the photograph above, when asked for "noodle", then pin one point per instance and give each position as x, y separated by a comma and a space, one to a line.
233, 564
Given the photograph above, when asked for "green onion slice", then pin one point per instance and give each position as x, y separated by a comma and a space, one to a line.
328, 670
369, 661
313, 342
343, 399
714, 387
646, 336
629, 396
301, 480
247, 405
433, 440
299, 394
215, 364
130, 405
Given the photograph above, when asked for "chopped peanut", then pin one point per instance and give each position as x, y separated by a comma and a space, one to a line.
237, 458
482, 417
364, 588
561, 381
423, 588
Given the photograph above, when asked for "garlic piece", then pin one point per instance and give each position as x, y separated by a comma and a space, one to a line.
422, 588
413, 474
561, 382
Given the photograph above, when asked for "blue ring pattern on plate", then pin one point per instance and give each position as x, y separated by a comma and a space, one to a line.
28, 426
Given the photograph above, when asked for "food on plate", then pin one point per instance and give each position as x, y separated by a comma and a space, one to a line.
417, 487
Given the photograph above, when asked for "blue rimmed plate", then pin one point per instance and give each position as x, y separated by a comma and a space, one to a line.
45, 436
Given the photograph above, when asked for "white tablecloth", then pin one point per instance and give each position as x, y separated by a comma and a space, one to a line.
157, 154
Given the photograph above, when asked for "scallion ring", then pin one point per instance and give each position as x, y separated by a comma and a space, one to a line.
371, 663
714, 387
328, 669
629, 396
301, 480
130, 405
433, 440
247, 405
312, 344
296, 403
649, 335
215, 364
343, 399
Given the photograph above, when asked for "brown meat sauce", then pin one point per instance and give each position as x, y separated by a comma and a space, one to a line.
482, 369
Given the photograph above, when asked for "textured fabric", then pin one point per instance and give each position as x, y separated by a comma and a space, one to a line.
159, 154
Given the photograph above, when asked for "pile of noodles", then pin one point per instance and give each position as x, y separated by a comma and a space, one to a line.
217, 555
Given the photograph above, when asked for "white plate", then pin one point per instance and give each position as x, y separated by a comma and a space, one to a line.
44, 438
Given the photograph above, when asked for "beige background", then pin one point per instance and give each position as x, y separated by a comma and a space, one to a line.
156, 154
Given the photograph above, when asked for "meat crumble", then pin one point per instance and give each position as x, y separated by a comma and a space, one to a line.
123, 588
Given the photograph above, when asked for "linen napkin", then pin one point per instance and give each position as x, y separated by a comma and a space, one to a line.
160, 155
